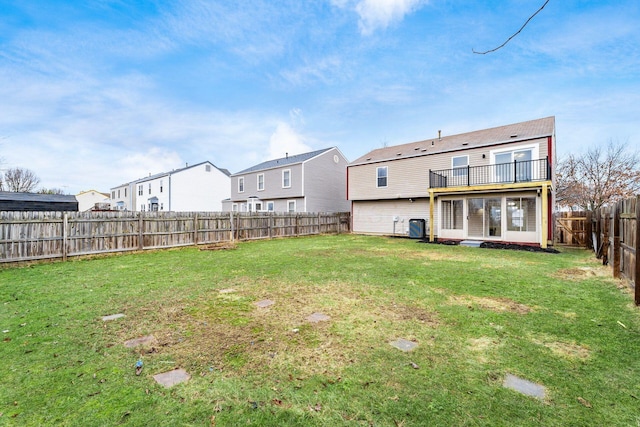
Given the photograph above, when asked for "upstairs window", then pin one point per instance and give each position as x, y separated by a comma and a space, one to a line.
149, 188
241, 184
140, 190
260, 182
161, 186
286, 178
381, 174
459, 165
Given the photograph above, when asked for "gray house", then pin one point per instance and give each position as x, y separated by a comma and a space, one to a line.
309, 182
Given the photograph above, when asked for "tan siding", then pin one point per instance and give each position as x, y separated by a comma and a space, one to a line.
409, 177
376, 217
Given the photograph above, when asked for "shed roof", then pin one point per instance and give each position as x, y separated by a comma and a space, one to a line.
36, 197
284, 161
523, 131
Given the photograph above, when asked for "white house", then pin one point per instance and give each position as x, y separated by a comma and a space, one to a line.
91, 200
200, 187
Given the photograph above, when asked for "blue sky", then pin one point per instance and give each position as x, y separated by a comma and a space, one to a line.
97, 93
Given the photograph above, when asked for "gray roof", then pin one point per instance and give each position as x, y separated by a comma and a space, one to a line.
158, 175
284, 161
523, 131
36, 197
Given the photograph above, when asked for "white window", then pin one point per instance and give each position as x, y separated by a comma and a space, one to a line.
241, 184
286, 178
161, 186
142, 207
381, 173
521, 213
270, 206
515, 165
140, 190
113, 194
452, 215
207, 168
260, 182
291, 206
257, 206
149, 188
125, 192
161, 206
459, 165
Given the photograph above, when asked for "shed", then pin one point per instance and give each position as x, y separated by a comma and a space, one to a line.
10, 201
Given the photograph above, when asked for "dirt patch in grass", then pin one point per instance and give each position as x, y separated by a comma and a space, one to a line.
581, 273
226, 332
493, 304
567, 350
482, 347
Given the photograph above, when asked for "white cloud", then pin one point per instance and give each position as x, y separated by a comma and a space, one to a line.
379, 14
285, 140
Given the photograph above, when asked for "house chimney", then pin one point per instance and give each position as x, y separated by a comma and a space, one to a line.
286, 155
439, 135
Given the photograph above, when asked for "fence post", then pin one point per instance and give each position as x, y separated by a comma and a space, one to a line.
195, 228
269, 223
636, 281
140, 231
65, 225
231, 237
588, 229
616, 240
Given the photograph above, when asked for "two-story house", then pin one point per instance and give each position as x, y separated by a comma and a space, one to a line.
309, 182
200, 187
494, 184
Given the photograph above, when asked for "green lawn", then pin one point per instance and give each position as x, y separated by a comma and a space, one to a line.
476, 315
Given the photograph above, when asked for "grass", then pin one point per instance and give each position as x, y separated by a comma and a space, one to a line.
476, 314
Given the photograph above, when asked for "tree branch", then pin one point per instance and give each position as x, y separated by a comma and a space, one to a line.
514, 34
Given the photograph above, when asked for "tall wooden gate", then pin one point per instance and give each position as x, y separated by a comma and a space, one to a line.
571, 228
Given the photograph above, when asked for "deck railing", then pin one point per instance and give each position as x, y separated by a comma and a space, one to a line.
502, 173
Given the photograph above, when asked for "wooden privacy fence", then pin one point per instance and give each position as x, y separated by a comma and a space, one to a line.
615, 238
571, 228
28, 236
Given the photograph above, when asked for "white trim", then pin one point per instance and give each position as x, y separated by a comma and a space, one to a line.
283, 171
241, 179
294, 205
386, 177
258, 182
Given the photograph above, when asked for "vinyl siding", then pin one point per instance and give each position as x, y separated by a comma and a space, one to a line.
272, 184
325, 183
376, 217
409, 177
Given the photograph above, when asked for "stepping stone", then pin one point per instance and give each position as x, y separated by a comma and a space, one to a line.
171, 378
318, 317
227, 291
112, 317
265, 303
525, 387
139, 341
404, 345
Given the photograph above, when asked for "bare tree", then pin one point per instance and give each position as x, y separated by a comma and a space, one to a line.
19, 180
514, 34
601, 176
51, 191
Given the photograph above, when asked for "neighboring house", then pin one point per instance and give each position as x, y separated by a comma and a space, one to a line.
489, 185
92, 200
309, 182
200, 187
10, 201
